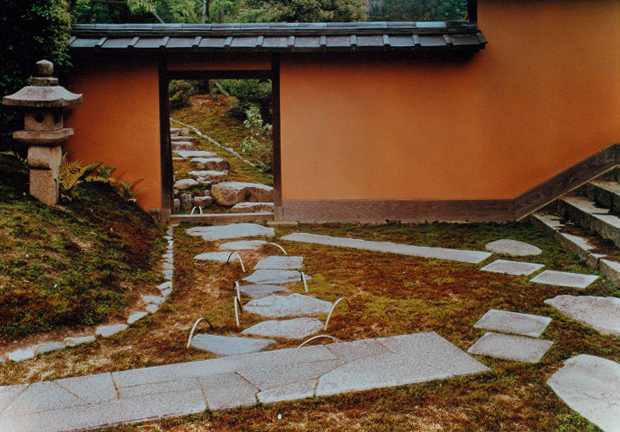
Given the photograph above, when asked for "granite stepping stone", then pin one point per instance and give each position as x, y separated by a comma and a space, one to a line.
565, 279
512, 267
513, 322
260, 291
252, 207
508, 347
275, 277
184, 184
297, 328
109, 330
467, 256
185, 154
276, 306
280, 263
228, 345
220, 257
243, 245
591, 386
211, 163
600, 313
512, 247
232, 231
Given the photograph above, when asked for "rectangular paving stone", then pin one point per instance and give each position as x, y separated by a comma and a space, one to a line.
108, 413
176, 386
512, 267
41, 397
280, 263
90, 388
9, 393
467, 256
228, 391
508, 347
289, 392
355, 350
513, 322
572, 280
274, 377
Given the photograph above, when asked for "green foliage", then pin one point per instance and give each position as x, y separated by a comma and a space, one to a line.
180, 93
303, 10
259, 144
123, 188
417, 10
31, 30
71, 174
249, 93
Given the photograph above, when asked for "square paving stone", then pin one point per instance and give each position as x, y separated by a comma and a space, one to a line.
280, 263
275, 277
508, 347
228, 391
260, 291
512, 267
289, 392
275, 377
572, 280
513, 322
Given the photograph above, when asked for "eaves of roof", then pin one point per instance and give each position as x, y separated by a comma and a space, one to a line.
459, 36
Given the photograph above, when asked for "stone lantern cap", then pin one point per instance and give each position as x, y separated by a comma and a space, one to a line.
43, 91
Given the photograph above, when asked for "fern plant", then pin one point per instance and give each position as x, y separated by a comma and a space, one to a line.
71, 174
125, 189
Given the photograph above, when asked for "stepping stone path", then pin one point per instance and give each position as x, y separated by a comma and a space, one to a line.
512, 267
252, 207
276, 306
512, 247
573, 280
512, 322
232, 231
280, 263
600, 313
243, 245
297, 328
220, 257
508, 347
591, 386
474, 257
227, 346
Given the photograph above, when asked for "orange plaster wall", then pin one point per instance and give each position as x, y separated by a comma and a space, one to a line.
118, 122
543, 95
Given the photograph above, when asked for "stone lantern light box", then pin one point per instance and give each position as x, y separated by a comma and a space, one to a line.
43, 103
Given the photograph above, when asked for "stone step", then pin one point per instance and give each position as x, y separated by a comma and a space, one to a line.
183, 146
211, 163
210, 177
252, 207
595, 251
189, 154
605, 194
189, 138
231, 193
585, 213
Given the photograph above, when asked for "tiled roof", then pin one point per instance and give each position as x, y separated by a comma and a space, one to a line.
281, 37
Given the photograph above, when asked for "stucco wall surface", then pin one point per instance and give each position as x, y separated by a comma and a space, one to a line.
543, 95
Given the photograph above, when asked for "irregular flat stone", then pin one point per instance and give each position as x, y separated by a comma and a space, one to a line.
211, 163
220, 257
195, 154
183, 145
21, 354
512, 322
512, 267
231, 193
109, 330
151, 299
572, 280
41, 397
508, 347
209, 176
232, 231
387, 247
260, 291
275, 277
203, 201
168, 274
185, 184
512, 247
252, 207
297, 328
75, 341
135, 317
165, 285
276, 306
49, 347
600, 313
167, 266
152, 308
9, 393
226, 345
268, 378
280, 263
288, 392
591, 386
243, 245
355, 350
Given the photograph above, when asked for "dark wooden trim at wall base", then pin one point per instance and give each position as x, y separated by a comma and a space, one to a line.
566, 181
371, 211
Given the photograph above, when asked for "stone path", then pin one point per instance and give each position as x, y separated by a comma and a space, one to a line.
136, 395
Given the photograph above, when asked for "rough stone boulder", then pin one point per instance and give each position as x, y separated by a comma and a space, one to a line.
203, 201
211, 163
209, 177
183, 145
252, 207
231, 193
185, 183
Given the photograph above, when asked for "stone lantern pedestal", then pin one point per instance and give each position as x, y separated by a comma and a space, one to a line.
43, 102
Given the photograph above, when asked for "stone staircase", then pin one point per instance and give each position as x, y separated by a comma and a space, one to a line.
210, 177
586, 221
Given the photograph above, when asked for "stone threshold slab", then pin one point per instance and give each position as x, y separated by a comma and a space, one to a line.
467, 256
174, 390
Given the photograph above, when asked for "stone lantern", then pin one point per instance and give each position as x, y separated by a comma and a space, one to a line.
43, 103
